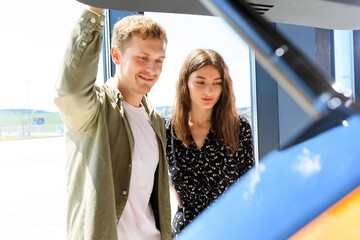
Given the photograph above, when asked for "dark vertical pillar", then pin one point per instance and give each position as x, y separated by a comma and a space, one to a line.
267, 111
279, 117
356, 47
324, 52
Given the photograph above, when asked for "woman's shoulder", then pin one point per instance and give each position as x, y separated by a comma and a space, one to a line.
243, 119
167, 121
244, 123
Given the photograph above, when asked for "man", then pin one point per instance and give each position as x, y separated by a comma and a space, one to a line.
117, 172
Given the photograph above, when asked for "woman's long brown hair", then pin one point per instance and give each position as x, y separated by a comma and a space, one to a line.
224, 118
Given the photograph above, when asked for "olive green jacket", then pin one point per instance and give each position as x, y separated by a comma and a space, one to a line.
100, 143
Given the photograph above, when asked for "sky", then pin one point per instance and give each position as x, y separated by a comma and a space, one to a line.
32, 49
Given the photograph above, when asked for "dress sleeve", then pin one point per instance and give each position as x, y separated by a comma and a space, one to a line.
76, 97
247, 141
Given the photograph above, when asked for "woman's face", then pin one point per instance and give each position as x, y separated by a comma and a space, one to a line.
205, 87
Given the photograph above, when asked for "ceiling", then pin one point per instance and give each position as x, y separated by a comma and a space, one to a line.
330, 14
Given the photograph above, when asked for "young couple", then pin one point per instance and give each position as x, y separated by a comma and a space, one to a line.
119, 150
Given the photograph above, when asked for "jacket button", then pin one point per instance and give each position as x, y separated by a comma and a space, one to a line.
124, 193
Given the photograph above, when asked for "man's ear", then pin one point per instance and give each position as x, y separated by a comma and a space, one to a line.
115, 55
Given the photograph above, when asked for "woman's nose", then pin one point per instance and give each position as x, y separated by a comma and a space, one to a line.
209, 88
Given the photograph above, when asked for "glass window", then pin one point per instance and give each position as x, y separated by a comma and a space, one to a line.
188, 32
344, 62
32, 154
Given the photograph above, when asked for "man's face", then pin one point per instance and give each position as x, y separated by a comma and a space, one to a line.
140, 65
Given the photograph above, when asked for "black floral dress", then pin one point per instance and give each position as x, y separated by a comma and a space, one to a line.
201, 175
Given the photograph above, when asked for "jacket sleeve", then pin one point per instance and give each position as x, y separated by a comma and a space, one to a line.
76, 97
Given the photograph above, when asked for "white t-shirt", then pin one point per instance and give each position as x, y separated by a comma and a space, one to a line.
137, 221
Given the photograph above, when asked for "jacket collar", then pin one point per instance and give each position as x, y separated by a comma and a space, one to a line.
118, 97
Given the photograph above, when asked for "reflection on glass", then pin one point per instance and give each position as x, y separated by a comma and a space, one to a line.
344, 62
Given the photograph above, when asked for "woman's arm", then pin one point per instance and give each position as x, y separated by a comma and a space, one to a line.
177, 196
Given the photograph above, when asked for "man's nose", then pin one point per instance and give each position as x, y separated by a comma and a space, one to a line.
152, 67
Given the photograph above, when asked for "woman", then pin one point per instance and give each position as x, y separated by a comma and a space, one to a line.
209, 146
